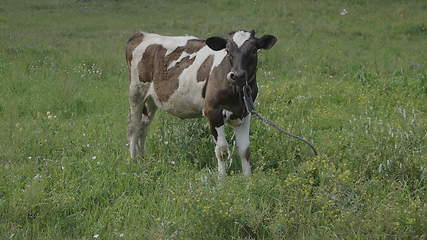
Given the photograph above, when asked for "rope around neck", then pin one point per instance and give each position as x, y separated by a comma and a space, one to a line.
249, 104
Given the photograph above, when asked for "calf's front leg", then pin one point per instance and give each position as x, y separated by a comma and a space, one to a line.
216, 122
242, 142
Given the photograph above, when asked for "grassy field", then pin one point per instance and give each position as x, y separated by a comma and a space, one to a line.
355, 85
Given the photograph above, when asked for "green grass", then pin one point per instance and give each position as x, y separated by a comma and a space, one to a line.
355, 85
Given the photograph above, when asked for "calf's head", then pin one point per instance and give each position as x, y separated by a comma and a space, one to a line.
242, 48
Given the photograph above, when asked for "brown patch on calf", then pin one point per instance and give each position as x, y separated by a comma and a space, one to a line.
173, 56
168, 82
204, 89
147, 65
167, 85
194, 45
153, 63
133, 42
204, 70
191, 47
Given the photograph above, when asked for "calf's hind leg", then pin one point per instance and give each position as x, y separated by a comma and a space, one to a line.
141, 112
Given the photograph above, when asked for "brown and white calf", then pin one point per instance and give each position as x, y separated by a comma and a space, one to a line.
189, 77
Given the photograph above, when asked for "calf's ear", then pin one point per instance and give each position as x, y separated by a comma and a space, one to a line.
216, 43
266, 42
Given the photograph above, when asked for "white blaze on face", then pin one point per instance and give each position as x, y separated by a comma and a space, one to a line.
241, 37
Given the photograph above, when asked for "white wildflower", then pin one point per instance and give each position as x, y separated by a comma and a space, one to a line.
50, 115
343, 12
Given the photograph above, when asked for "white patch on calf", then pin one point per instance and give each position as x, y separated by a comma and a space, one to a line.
241, 37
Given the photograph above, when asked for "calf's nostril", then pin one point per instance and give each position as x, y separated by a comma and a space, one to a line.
231, 76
